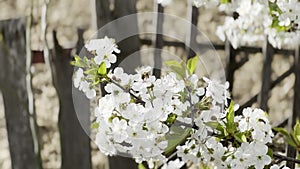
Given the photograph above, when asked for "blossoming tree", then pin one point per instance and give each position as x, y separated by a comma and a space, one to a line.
177, 115
180, 118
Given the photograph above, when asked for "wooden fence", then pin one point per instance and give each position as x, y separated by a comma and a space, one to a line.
15, 84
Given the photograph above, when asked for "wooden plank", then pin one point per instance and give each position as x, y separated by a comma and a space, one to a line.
193, 13
158, 41
122, 8
101, 13
75, 143
13, 87
273, 84
244, 60
37, 58
268, 52
127, 59
230, 64
80, 41
246, 49
291, 151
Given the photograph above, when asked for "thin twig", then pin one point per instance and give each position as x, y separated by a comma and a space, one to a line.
174, 155
285, 158
131, 94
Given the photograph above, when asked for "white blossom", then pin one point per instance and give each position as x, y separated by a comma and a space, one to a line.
78, 77
206, 3
254, 20
104, 49
217, 91
275, 166
83, 85
164, 3
138, 111
119, 129
175, 164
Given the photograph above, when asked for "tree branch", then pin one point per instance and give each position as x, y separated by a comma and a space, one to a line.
131, 94
285, 158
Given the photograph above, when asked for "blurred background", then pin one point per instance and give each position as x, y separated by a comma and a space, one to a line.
67, 16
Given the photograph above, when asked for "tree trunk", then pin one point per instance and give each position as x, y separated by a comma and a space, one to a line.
75, 143
13, 87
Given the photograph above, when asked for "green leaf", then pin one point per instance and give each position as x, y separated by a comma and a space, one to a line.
95, 125
91, 72
297, 129
171, 118
296, 134
281, 130
205, 166
177, 67
79, 62
287, 136
270, 152
141, 166
240, 137
176, 136
96, 81
191, 64
85, 59
225, 1
294, 140
219, 127
230, 119
298, 158
102, 69
223, 130
212, 124
273, 7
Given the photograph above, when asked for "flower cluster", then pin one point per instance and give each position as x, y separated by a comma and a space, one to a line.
176, 164
196, 3
253, 20
133, 116
164, 2
150, 118
247, 27
228, 142
103, 51
285, 28
138, 110
206, 3
83, 85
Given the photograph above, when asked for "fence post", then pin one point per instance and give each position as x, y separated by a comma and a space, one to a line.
75, 143
121, 8
291, 151
268, 52
13, 87
230, 64
80, 41
101, 12
193, 13
124, 8
158, 41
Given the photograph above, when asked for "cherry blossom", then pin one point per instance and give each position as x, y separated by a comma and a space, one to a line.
139, 114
